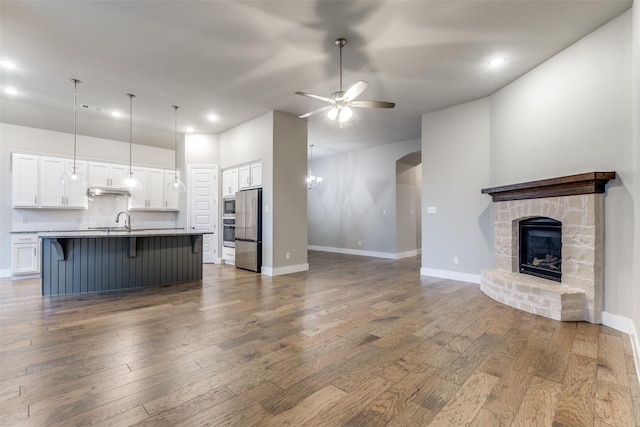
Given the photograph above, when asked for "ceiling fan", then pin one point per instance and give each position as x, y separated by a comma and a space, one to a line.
341, 102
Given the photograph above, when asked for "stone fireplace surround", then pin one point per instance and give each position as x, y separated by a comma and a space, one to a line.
578, 202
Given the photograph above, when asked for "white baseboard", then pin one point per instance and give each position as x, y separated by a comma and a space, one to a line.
626, 325
280, 271
5, 272
387, 255
452, 275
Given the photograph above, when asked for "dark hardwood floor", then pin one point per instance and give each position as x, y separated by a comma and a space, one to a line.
355, 341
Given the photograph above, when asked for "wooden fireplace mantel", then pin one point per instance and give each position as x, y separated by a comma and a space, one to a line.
584, 183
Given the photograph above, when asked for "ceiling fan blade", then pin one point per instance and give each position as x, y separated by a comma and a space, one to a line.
321, 98
319, 110
372, 104
354, 91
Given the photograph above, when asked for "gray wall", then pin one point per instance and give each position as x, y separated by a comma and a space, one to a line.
357, 200
569, 115
455, 166
289, 193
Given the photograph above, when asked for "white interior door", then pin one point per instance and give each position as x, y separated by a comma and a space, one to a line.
203, 208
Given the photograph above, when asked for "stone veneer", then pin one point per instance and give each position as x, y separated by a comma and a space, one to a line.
579, 295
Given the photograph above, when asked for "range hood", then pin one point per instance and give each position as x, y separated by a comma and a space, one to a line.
107, 191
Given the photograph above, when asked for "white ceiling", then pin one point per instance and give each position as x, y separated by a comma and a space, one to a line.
241, 59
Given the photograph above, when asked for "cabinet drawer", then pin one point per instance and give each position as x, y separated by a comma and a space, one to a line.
24, 238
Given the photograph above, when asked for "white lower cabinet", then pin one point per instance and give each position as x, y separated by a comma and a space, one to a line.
25, 254
229, 255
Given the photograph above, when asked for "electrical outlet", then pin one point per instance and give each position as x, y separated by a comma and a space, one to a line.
287, 255
635, 307
432, 209
384, 211
455, 260
359, 243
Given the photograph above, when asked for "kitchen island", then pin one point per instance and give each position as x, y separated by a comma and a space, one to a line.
77, 262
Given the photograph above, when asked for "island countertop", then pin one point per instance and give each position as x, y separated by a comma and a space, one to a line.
119, 232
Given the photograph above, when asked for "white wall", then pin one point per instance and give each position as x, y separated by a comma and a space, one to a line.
455, 167
357, 200
59, 144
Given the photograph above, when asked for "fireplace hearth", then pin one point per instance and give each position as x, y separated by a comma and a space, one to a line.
541, 248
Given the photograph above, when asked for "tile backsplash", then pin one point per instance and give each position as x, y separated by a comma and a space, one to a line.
102, 212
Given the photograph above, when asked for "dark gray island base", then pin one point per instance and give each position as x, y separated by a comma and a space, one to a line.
84, 262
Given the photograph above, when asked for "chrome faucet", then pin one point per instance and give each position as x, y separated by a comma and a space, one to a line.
127, 221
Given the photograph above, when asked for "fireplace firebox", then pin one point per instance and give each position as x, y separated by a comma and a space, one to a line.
541, 248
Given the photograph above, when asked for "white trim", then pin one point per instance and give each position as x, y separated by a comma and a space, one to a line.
387, 255
452, 275
5, 272
626, 325
279, 271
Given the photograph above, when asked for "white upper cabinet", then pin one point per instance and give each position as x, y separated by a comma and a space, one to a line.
230, 182
149, 192
250, 176
25, 181
107, 175
53, 193
171, 198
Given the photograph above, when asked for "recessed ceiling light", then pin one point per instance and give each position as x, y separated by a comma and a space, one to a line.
7, 64
213, 117
116, 114
11, 91
497, 61
189, 129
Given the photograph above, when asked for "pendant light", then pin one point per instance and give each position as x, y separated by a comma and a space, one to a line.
74, 177
176, 184
130, 180
312, 180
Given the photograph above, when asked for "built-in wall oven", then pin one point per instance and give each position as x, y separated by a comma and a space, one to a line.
229, 232
229, 207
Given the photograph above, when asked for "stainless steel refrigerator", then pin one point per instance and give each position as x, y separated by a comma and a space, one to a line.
249, 229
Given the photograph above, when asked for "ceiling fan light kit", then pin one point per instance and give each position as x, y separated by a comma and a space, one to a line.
342, 102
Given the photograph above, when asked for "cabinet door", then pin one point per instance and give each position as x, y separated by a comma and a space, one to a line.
171, 198
51, 189
138, 199
244, 177
117, 173
229, 183
256, 174
76, 196
155, 189
98, 174
25, 181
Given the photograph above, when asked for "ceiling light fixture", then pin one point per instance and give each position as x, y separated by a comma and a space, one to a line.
189, 129
497, 61
130, 180
11, 90
212, 118
7, 64
74, 177
176, 184
312, 180
116, 114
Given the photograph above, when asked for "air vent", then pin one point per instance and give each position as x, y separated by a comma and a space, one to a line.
92, 108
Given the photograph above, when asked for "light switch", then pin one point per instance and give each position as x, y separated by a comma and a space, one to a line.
431, 209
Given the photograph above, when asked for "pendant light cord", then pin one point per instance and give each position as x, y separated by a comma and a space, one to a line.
75, 119
131, 96
175, 142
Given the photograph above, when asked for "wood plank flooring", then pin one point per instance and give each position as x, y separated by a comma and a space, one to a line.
356, 341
